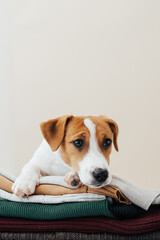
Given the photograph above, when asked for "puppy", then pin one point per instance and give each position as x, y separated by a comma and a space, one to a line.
77, 147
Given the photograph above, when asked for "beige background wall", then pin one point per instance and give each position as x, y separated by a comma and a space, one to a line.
6, 88
86, 58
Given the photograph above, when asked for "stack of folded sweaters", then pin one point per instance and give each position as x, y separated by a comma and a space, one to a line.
58, 212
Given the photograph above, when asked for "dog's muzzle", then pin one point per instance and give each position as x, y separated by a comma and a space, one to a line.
100, 175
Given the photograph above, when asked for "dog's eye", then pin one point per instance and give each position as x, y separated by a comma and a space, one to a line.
78, 143
106, 143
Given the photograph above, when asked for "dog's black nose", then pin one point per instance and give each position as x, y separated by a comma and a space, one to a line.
100, 175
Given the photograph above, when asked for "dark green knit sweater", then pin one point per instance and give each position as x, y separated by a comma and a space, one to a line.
66, 210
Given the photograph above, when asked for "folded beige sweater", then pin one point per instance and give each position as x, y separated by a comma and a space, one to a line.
56, 190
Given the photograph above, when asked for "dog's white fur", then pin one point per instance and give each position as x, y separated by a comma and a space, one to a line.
47, 162
93, 159
43, 162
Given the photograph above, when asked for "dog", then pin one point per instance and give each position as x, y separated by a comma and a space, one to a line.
78, 148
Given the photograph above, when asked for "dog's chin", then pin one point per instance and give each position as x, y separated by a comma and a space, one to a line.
94, 184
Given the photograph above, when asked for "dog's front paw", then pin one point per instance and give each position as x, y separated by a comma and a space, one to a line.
24, 185
73, 180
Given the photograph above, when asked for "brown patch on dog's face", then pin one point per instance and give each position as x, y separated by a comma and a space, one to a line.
103, 132
114, 128
75, 130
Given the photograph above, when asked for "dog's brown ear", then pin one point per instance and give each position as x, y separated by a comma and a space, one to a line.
114, 127
53, 131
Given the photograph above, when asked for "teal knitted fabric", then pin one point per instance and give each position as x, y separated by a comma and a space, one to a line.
66, 210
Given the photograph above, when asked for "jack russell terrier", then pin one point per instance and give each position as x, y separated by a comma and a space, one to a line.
77, 147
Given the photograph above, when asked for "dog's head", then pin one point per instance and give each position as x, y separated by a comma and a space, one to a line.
85, 144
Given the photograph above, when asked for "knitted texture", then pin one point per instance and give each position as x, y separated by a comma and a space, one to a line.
146, 222
67, 210
77, 236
